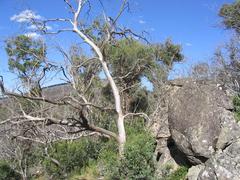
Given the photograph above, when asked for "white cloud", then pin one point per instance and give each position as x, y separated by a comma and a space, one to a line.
188, 44
25, 16
32, 27
142, 22
33, 35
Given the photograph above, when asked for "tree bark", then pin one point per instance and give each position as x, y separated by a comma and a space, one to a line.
115, 90
121, 135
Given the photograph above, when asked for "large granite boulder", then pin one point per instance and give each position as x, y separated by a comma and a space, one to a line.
194, 125
200, 119
224, 165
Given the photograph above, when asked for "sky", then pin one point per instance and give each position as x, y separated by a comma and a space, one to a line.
192, 23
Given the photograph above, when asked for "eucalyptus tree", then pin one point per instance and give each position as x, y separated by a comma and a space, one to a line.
114, 55
230, 14
27, 59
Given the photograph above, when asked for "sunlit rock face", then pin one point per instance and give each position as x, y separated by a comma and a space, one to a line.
196, 125
200, 119
224, 164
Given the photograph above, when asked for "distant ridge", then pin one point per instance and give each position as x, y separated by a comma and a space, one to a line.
52, 91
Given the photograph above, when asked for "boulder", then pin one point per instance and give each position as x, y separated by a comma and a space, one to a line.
224, 165
194, 125
194, 171
200, 119
165, 163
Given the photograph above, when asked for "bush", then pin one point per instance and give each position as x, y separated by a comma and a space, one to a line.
137, 162
72, 156
6, 172
91, 159
236, 104
89, 172
108, 161
179, 174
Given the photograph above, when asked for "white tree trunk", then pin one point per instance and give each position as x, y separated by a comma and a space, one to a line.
115, 90
121, 134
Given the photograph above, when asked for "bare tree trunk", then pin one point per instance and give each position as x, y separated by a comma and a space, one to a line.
121, 135
115, 90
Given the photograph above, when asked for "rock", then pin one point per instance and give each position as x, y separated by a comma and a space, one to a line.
200, 119
230, 130
159, 127
195, 126
194, 171
165, 164
223, 165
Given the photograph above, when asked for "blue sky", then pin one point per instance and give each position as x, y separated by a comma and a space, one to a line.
192, 23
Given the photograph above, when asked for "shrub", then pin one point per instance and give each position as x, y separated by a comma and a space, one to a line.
72, 156
90, 172
236, 104
138, 159
179, 174
166, 170
108, 161
137, 162
6, 172
91, 159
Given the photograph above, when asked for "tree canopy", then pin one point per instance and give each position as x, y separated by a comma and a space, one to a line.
231, 16
25, 58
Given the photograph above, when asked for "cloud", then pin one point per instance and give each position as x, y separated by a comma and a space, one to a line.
142, 22
25, 16
188, 44
33, 35
32, 27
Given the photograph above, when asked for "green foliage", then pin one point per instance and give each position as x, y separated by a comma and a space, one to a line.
4, 113
105, 120
25, 56
179, 174
138, 158
72, 156
90, 172
92, 158
129, 56
135, 125
6, 172
231, 16
131, 59
169, 53
236, 104
139, 101
166, 170
108, 161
